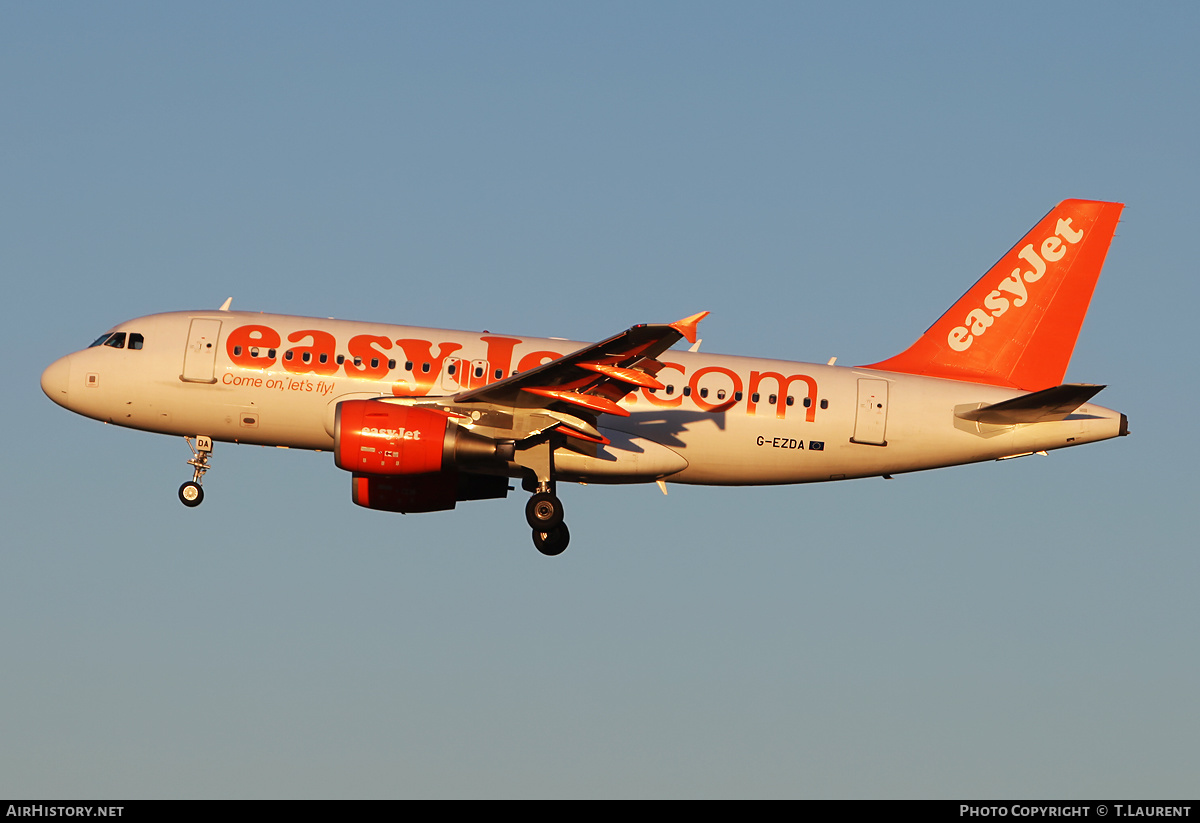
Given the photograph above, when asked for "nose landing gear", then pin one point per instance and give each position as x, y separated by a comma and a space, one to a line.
191, 494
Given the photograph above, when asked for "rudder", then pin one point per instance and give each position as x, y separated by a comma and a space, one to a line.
1018, 324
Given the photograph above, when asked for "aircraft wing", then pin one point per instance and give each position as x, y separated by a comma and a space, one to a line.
592, 379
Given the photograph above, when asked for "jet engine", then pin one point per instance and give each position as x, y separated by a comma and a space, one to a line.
411, 459
374, 437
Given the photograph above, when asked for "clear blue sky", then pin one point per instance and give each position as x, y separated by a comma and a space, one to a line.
825, 180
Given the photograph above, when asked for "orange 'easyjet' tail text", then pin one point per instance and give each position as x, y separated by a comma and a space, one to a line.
1018, 324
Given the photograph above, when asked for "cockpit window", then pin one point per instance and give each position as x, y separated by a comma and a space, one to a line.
116, 340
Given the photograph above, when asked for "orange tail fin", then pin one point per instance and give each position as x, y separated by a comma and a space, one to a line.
1018, 324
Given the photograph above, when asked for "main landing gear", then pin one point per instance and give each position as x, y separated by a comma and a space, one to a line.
553, 542
544, 513
191, 494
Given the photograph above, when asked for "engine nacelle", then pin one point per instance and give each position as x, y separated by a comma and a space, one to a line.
371, 437
374, 437
435, 492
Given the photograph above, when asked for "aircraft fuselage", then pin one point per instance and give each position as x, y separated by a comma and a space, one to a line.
274, 380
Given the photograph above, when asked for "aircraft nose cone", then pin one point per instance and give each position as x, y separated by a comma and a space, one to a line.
55, 380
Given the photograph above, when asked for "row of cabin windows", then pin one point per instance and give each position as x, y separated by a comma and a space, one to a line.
118, 340
499, 374
737, 396
323, 358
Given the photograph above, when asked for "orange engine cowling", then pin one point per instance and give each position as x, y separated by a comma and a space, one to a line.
372, 437
391, 439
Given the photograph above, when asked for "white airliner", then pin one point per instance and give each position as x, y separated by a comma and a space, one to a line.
424, 418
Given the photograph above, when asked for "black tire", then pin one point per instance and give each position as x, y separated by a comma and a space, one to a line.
191, 495
553, 542
543, 512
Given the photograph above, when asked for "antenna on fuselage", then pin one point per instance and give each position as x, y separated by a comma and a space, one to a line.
225, 305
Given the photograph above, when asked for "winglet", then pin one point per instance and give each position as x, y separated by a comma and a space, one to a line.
687, 326
226, 304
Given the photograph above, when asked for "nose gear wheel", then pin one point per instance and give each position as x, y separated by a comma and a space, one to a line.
190, 493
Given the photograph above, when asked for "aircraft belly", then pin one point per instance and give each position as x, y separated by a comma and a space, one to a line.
736, 449
627, 458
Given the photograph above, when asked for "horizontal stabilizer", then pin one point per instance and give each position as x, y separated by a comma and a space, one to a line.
1055, 403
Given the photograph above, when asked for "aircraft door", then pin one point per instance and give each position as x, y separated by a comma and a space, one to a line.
199, 360
870, 422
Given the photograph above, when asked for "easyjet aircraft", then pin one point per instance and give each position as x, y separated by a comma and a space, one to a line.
424, 418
